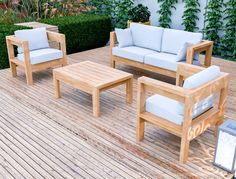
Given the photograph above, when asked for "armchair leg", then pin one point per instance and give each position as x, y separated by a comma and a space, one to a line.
13, 69
29, 76
217, 126
140, 129
184, 149
113, 63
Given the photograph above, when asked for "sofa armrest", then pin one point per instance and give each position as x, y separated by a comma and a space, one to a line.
205, 46
113, 40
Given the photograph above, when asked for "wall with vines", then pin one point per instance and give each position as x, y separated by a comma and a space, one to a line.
216, 19
117, 9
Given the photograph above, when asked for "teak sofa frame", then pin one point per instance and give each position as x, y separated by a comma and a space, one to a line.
29, 68
204, 46
189, 97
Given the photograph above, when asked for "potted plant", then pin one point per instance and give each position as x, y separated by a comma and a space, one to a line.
139, 14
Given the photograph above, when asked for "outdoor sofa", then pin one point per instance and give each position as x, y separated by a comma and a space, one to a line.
157, 49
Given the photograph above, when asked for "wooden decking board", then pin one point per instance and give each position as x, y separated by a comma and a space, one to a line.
55, 126
70, 151
109, 140
61, 171
61, 155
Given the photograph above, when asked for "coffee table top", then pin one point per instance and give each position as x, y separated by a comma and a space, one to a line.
93, 74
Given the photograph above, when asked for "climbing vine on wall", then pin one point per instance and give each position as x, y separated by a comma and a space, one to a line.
213, 20
190, 16
229, 39
116, 9
165, 12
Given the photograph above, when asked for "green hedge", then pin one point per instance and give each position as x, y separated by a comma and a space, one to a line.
83, 32
6, 30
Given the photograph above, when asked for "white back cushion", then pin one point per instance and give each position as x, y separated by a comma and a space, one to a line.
37, 38
124, 37
147, 36
174, 39
202, 77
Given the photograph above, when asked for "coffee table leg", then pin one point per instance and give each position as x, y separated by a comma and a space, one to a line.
129, 90
57, 90
96, 102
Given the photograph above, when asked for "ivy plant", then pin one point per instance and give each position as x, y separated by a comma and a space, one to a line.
229, 39
121, 12
165, 12
116, 9
190, 15
213, 20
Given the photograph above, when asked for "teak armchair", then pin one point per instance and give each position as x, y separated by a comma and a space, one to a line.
190, 128
26, 62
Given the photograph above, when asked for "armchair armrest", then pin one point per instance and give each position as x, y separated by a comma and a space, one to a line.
162, 88
184, 71
11, 41
206, 46
57, 37
60, 38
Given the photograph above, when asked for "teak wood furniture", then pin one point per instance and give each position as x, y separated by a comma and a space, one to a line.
204, 46
93, 78
26, 63
189, 97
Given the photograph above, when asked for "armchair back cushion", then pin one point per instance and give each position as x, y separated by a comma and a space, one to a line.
173, 40
37, 38
202, 77
145, 36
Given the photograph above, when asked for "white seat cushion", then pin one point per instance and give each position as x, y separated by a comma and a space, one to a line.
124, 37
42, 55
145, 36
132, 53
163, 60
172, 110
37, 38
173, 40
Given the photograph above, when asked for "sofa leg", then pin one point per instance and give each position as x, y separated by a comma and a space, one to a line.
184, 149
140, 129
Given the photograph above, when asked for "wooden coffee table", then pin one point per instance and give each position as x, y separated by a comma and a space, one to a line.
93, 78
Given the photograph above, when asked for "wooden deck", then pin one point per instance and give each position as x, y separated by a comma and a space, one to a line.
44, 137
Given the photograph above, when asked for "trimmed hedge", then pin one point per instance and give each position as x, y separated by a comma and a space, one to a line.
83, 32
6, 30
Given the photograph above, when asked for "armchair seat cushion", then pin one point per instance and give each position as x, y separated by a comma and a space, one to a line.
163, 60
172, 110
42, 55
132, 53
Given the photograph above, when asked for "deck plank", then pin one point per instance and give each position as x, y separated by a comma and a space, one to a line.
61, 138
